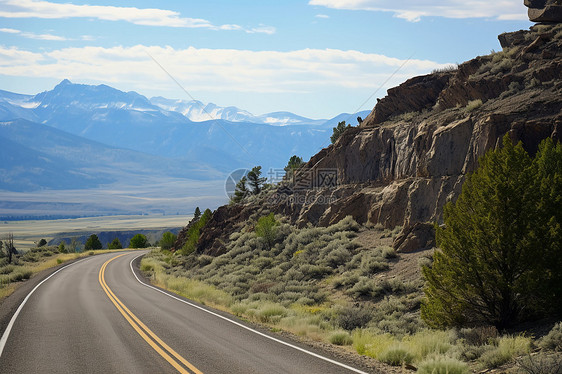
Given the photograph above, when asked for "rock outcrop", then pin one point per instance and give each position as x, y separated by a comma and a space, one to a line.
419, 237
410, 156
544, 10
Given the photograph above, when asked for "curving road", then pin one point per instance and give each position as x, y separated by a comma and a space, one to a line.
97, 316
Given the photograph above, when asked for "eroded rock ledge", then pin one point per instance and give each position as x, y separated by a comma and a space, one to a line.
411, 154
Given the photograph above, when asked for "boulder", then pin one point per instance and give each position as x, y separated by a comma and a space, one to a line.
549, 11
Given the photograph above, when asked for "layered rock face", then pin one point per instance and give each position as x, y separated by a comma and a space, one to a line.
411, 155
544, 10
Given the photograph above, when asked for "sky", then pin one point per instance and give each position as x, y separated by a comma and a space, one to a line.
315, 58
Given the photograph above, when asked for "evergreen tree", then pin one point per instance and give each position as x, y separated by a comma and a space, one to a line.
255, 180
138, 241
197, 213
194, 233
93, 242
548, 184
485, 271
115, 244
168, 239
62, 247
240, 191
294, 163
338, 131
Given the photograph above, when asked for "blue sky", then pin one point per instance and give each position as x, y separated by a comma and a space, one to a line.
316, 58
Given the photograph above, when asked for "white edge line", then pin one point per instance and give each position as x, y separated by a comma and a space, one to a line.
244, 326
6, 334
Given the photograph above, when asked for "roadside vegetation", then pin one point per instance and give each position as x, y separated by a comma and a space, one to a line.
325, 284
23, 265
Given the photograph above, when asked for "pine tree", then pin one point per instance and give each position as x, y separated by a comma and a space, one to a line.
93, 242
255, 180
294, 163
240, 191
62, 247
197, 213
484, 272
115, 244
168, 240
338, 131
548, 235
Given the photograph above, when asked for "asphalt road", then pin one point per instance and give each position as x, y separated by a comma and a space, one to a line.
95, 316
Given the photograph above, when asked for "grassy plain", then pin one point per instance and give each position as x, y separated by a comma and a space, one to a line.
27, 233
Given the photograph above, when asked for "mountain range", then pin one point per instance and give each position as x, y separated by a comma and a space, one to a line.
78, 136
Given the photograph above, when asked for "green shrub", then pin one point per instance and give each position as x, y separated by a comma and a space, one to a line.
271, 313
443, 365
541, 363
365, 288
426, 343
341, 338
508, 348
20, 274
266, 228
168, 240
396, 355
553, 340
7, 269
372, 345
478, 335
351, 317
389, 252
473, 105
62, 247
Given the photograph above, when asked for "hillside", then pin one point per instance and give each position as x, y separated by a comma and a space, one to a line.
411, 154
334, 256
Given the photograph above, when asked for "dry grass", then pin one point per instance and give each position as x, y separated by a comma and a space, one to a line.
341, 285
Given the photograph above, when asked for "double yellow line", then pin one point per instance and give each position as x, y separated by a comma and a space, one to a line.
177, 361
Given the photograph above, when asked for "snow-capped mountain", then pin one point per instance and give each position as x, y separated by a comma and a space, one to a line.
201, 136
197, 111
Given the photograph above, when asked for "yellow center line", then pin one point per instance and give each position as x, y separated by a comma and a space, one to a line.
139, 327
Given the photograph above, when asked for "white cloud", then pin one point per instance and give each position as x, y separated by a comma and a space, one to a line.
324, 16
218, 70
10, 31
270, 30
146, 16
31, 35
414, 10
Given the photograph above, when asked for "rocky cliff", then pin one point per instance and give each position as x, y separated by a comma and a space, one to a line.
411, 154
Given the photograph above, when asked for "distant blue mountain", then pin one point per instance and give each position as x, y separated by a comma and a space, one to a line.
77, 127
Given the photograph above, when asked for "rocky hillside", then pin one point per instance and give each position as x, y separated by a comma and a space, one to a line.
411, 154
